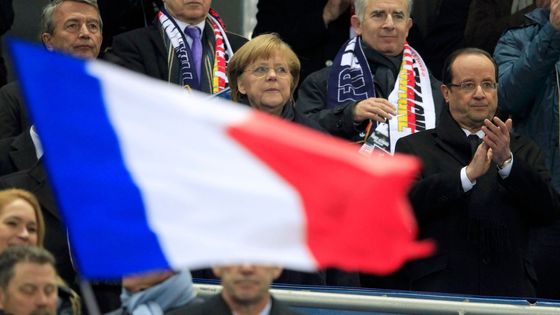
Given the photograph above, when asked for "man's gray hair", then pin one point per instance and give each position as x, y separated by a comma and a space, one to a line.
20, 254
47, 18
360, 8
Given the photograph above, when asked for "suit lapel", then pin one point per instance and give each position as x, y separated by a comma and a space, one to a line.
208, 53
43, 190
167, 61
23, 154
157, 35
218, 305
277, 308
451, 138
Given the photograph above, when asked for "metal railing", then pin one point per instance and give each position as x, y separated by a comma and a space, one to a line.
390, 302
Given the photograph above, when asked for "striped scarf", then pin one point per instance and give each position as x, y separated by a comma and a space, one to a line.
352, 80
223, 51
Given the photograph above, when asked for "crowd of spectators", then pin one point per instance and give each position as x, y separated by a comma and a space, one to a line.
387, 75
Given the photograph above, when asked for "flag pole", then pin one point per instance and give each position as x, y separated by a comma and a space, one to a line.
89, 297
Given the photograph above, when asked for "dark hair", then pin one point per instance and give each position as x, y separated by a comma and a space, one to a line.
13, 255
447, 74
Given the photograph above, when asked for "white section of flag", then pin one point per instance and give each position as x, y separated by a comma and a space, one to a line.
227, 177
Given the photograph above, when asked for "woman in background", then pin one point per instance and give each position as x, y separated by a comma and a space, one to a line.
22, 223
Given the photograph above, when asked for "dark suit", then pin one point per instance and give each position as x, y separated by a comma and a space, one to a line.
143, 50
216, 305
17, 153
20, 169
482, 235
13, 115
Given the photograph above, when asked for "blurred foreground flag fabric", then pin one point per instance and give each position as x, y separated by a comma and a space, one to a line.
149, 176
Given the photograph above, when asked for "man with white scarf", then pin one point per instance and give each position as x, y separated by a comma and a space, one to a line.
378, 88
186, 45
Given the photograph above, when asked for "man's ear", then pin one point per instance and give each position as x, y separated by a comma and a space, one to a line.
217, 271
240, 86
46, 39
276, 272
356, 24
445, 92
2, 299
409, 24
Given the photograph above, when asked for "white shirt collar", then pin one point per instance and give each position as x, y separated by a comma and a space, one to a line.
182, 25
36, 142
479, 133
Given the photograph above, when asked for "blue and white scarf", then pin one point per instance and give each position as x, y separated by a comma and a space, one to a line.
173, 292
189, 79
351, 80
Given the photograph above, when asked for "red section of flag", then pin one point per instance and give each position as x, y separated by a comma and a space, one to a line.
358, 217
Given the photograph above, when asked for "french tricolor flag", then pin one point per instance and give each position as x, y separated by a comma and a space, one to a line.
151, 177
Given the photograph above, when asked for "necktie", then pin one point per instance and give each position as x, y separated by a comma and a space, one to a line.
196, 47
474, 141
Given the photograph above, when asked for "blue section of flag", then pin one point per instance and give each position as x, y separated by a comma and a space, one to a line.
85, 165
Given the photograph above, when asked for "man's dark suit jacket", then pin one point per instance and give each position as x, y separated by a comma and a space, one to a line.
17, 153
482, 234
13, 114
143, 50
19, 168
216, 305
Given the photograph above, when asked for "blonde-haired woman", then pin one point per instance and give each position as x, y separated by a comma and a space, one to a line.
263, 74
22, 223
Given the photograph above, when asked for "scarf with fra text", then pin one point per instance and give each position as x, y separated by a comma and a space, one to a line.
351, 80
183, 52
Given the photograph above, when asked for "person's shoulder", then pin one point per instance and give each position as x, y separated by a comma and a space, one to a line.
280, 308
10, 88
534, 21
420, 137
187, 309
212, 305
136, 34
319, 76
236, 40
519, 141
19, 179
119, 311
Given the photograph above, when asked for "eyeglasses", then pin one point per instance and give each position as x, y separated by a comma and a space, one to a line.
261, 71
469, 86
